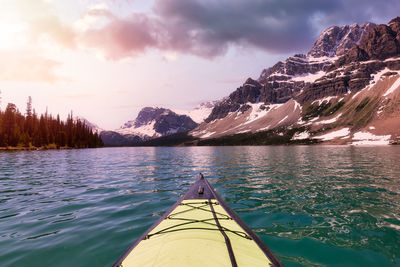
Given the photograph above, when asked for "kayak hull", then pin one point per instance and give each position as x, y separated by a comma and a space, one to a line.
199, 230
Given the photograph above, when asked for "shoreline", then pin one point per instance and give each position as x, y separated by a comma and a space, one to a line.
35, 148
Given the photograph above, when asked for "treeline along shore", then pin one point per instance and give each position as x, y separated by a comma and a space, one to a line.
33, 131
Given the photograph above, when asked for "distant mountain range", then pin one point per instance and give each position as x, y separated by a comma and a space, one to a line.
155, 122
345, 90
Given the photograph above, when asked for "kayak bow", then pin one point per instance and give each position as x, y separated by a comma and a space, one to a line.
199, 230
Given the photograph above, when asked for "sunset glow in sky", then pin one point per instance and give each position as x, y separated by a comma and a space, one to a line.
105, 60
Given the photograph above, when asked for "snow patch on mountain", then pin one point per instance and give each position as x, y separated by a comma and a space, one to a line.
377, 77
200, 112
301, 136
335, 134
325, 99
143, 131
282, 120
394, 86
330, 120
367, 138
308, 77
297, 106
322, 59
207, 134
259, 110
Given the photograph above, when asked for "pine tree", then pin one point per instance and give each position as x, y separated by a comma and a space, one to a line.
36, 140
29, 120
29, 107
1, 130
43, 130
9, 125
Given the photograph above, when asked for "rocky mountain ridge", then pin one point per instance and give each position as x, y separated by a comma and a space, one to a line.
336, 41
349, 68
285, 80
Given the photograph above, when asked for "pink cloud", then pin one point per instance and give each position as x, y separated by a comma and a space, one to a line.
208, 28
123, 37
203, 28
26, 66
120, 38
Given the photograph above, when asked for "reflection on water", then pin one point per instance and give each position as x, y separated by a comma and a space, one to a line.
341, 202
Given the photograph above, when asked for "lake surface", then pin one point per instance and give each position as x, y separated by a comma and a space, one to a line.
312, 205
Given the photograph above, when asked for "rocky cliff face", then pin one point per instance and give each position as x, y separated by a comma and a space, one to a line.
354, 69
348, 72
285, 80
383, 41
336, 41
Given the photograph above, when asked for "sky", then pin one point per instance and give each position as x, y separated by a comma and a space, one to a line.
105, 60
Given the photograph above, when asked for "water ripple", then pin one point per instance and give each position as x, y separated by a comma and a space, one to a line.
341, 202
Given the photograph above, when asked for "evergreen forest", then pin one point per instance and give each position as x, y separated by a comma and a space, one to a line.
31, 130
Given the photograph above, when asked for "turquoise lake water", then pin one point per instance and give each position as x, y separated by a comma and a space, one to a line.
312, 205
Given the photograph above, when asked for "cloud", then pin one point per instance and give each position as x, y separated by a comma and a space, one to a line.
42, 19
27, 66
207, 28
123, 37
24, 23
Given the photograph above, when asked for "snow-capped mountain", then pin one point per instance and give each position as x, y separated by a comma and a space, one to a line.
344, 90
155, 122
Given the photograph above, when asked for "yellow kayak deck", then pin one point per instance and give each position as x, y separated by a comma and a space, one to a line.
199, 230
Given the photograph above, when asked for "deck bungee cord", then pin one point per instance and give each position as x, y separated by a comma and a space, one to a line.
199, 230
191, 221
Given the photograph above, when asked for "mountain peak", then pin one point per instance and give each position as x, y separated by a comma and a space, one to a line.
147, 114
337, 40
155, 122
251, 82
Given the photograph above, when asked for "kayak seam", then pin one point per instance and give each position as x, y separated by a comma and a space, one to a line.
268, 253
227, 241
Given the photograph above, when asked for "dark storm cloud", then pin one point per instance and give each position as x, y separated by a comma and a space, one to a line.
208, 27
